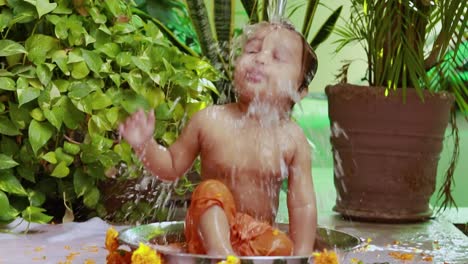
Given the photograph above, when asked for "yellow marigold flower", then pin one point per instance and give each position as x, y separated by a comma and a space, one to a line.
112, 243
145, 255
325, 257
230, 260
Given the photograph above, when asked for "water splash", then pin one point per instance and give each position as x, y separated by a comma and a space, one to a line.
276, 10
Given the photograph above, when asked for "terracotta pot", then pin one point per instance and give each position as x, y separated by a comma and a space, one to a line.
385, 151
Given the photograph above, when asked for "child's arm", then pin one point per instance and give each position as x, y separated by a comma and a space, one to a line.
301, 198
165, 163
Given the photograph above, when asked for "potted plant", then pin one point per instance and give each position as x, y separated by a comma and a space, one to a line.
387, 137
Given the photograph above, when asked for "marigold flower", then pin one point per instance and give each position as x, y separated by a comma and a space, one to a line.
112, 243
145, 255
230, 260
401, 256
325, 257
119, 257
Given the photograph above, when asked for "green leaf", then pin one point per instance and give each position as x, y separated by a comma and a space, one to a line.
36, 197
42, 6
75, 56
100, 100
10, 184
143, 63
7, 162
89, 153
9, 47
98, 18
60, 58
92, 59
7, 127
50, 157
109, 159
44, 74
8, 146
110, 49
79, 90
7, 84
61, 170
37, 114
91, 197
326, 29
112, 115
79, 70
72, 117
82, 182
132, 102
71, 148
63, 7
36, 215
55, 116
27, 173
124, 58
7, 212
5, 18
39, 134
38, 46
20, 115
27, 95
62, 156
62, 85
124, 151
115, 78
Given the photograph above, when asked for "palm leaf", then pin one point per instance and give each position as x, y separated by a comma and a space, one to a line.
326, 29
200, 20
224, 20
265, 10
167, 32
308, 17
250, 7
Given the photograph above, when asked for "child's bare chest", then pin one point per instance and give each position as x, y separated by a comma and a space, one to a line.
260, 152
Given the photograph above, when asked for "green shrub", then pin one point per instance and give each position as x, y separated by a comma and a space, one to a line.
69, 73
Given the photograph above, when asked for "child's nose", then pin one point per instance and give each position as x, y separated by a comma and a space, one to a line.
262, 57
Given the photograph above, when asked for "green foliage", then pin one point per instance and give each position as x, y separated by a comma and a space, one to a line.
70, 73
410, 44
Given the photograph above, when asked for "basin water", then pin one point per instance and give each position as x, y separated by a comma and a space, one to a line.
160, 235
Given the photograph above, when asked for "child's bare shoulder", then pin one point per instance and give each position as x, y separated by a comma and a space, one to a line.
209, 115
296, 133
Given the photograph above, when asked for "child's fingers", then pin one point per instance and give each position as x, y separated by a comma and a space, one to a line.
151, 118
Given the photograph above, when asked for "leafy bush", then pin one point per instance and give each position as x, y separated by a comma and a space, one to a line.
70, 72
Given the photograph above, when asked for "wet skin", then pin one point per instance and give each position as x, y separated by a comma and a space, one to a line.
250, 145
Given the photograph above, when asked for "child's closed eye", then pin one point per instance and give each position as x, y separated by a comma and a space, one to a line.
281, 57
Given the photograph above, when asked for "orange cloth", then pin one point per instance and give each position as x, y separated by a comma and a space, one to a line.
249, 237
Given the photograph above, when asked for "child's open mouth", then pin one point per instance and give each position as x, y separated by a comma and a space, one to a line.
255, 76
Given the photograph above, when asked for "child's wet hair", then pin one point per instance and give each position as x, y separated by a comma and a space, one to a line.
309, 58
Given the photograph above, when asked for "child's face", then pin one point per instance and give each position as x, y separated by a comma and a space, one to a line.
270, 65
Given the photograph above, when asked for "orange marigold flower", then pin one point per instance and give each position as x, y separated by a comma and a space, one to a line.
118, 257
112, 243
145, 255
325, 257
401, 256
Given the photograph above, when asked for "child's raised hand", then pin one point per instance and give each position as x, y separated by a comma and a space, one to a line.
138, 128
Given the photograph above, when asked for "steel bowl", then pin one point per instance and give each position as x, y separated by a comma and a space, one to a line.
160, 235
